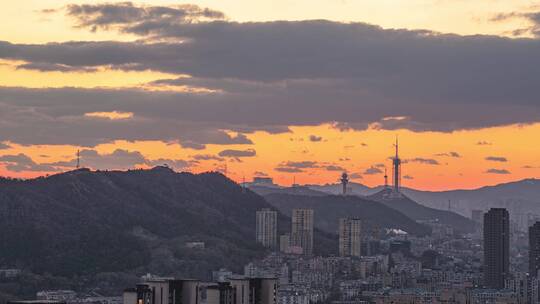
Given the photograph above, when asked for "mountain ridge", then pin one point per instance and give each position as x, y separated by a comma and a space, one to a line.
82, 223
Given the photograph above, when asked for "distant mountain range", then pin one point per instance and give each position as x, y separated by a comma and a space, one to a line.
420, 212
84, 223
522, 196
328, 209
405, 205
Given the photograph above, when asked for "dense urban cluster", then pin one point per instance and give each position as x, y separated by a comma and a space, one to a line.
498, 263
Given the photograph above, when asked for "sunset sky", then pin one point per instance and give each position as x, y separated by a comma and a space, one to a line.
294, 89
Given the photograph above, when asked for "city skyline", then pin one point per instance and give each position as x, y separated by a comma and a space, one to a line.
76, 77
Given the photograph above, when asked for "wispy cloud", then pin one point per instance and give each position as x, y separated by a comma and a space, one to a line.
426, 161
497, 171
496, 159
355, 175
372, 170
237, 153
315, 138
449, 154
334, 168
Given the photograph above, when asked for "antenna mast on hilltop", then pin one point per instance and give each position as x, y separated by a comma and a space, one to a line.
344, 181
397, 169
385, 179
78, 159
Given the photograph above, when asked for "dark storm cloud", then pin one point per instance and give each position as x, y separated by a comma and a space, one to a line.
497, 171
21, 162
129, 17
120, 55
268, 76
49, 116
237, 153
497, 159
54, 67
435, 65
118, 159
533, 17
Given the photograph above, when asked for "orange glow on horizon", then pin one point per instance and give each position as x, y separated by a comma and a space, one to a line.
354, 151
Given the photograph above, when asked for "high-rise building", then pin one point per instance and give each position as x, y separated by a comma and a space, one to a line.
350, 237
534, 249
266, 231
284, 243
302, 230
496, 247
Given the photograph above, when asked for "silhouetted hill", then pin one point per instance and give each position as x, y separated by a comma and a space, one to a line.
84, 223
523, 195
330, 208
352, 188
417, 211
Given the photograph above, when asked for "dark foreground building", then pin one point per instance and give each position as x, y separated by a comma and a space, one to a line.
534, 249
496, 247
238, 290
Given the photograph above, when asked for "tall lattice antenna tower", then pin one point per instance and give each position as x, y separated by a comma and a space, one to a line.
344, 181
78, 159
385, 178
397, 168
